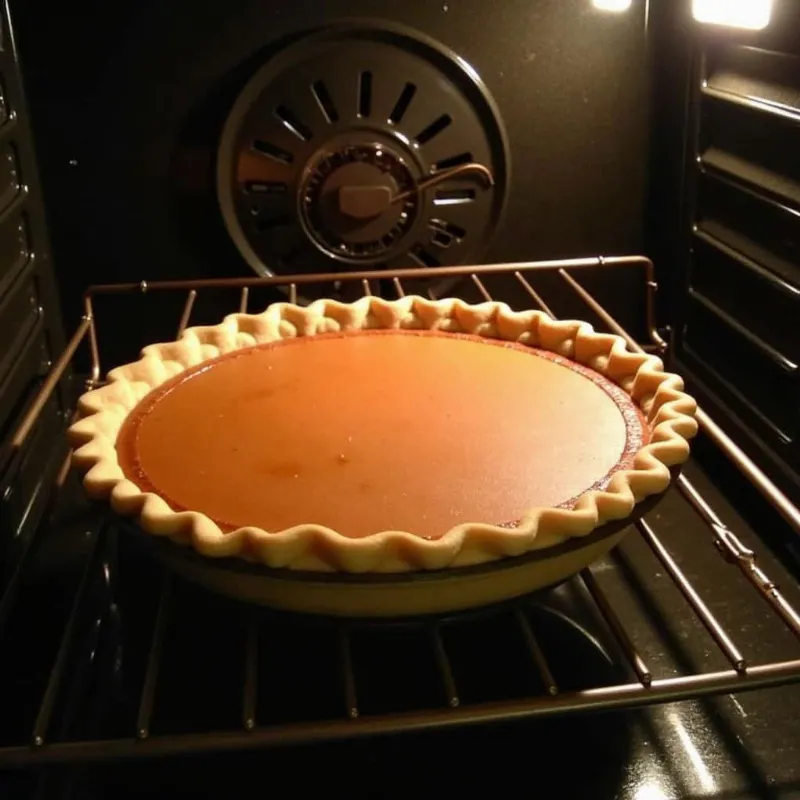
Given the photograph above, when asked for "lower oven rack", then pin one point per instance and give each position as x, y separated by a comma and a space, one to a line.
642, 689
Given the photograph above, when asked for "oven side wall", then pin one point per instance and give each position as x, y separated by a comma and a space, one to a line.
30, 327
735, 267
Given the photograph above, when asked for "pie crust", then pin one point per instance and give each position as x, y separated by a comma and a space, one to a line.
668, 410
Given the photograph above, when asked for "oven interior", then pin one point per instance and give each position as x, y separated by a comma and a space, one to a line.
668, 669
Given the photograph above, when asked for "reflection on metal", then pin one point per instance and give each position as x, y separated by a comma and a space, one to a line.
250, 694
443, 665
348, 677
57, 673
154, 659
706, 781
651, 791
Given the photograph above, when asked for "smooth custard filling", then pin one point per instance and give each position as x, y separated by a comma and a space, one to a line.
380, 430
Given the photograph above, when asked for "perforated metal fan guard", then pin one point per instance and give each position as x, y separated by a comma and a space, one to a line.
362, 109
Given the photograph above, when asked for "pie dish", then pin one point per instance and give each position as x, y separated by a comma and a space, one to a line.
385, 438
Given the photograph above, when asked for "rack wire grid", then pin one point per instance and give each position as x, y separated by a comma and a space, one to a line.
350, 720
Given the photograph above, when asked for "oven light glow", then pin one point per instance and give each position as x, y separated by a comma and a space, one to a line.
751, 14
612, 5
650, 791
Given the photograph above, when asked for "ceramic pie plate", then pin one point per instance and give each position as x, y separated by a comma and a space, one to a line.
262, 456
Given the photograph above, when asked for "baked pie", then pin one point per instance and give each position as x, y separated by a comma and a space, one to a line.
383, 436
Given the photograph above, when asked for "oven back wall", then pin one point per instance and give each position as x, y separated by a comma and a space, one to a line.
128, 105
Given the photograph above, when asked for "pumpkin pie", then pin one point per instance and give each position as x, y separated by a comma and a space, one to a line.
383, 437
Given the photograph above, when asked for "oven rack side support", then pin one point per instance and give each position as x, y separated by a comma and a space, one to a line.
645, 690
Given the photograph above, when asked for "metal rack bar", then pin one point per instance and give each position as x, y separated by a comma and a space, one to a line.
87, 325
612, 324
186, 313
88, 311
602, 699
745, 559
250, 694
617, 628
646, 691
727, 542
378, 274
243, 299
716, 630
537, 655
718, 633
63, 473
12, 587
443, 665
365, 287
737, 456
48, 386
348, 676
534, 295
734, 551
748, 468
481, 288
154, 659
47, 705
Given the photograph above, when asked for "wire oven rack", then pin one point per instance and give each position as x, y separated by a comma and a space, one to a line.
643, 690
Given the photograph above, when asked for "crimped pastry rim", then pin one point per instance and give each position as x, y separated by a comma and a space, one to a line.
313, 548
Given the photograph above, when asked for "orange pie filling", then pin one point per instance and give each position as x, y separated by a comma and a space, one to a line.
378, 430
